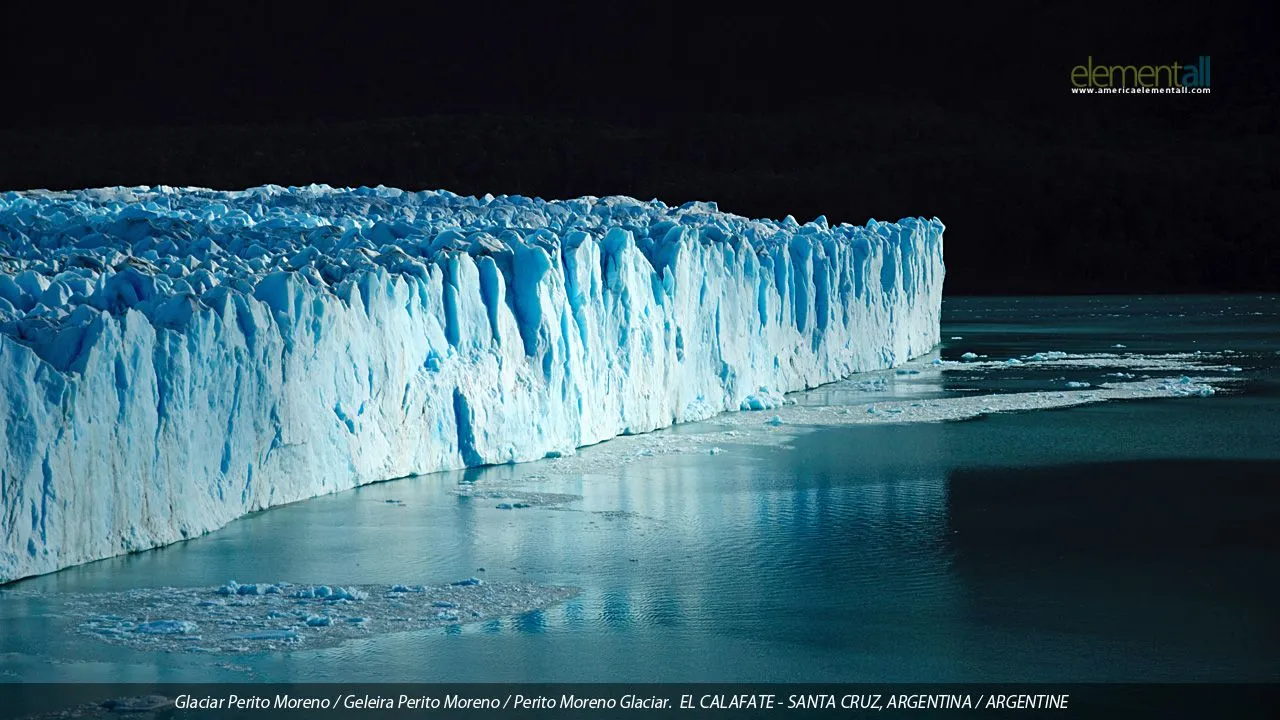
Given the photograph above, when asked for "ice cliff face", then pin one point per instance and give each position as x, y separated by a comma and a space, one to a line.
173, 359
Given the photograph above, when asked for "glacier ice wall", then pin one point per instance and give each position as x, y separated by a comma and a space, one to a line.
172, 359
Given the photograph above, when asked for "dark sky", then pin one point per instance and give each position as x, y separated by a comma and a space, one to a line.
125, 64
960, 110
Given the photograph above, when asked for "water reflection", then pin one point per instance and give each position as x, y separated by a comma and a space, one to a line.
1133, 564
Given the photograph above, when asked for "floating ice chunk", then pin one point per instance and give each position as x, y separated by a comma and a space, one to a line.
763, 399
1118, 345
1046, 356
166, 627
324, 592
467, 582
1075, 384
1013, 361
775, 421
445, 604
716, 450
319, 621
969, 356
1185, 387
407, 588
349, 594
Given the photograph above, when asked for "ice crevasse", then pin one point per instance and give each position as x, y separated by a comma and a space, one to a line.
172, 359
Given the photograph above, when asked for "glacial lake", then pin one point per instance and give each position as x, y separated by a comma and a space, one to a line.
1132, 540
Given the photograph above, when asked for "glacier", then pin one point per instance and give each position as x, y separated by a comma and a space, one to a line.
174, 358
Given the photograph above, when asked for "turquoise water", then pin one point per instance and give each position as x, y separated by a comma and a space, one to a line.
1126, 541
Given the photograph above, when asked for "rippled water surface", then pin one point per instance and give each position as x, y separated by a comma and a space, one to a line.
1130, 540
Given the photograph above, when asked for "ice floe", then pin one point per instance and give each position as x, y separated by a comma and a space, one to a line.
207, 620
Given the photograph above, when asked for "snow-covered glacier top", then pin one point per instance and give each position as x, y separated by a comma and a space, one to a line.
65, 256
172, 359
